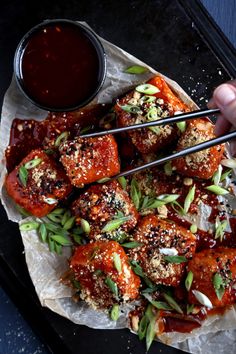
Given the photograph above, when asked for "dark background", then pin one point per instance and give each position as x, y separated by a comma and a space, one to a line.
158, 32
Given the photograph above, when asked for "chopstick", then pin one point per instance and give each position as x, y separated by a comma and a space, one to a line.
202, 146
170, 120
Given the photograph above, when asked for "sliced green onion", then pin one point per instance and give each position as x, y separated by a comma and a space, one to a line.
137, 268
33, 163
168, 251
219, 285
58, 248
179, 211
123, 182
115, 224
61, 138
78, 239
117, 262
152, 114
131, 109
136, 70
225, 175
193, 228
168, 198
148, 99
103, 180
23, 175
160, 305
168, 168
175, 259
54, 218
22, 211
135, 193
111, 285
50, 200
85, 226
56, 229
58, 211
151, 333
131, 244
43, 232
52, 245
181, 126
76, 284
65, 217
231, 163
28, 226
155, 130
189, 199
220, 228
217, 176
189, 280
115, 312
169, 299
85, 129
147, 89
202, 298
142, 328
217, 190
61, 240
69, 223
190, 308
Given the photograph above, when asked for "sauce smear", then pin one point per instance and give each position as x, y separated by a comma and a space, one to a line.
60, 66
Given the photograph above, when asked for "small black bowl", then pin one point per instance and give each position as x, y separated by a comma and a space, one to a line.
60, 65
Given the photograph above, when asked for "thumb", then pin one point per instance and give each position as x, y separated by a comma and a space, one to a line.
225, 98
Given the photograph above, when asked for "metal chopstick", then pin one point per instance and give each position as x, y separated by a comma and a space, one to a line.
170, 120
205, 145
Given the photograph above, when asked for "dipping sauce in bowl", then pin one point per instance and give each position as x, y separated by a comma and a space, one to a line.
60, 65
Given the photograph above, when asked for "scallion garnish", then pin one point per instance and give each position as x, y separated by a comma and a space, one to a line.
115, 224
117, 262
169, 299
61, 138
217, 176
181, 126
220, 228
131, 244
136, 70
231, 163
28, 226
219, 285
175, 259
23, 175
131, 108
111, 285
85, 226
33, 163
115, 312
189, 199
193, 228
202, 298
189, 280
147, 89
217, 190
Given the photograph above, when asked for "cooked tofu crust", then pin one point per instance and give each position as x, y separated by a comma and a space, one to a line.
87, 160
204, 163
45, 180
165, 103
93, 263
158, 238
102, 203
205, 265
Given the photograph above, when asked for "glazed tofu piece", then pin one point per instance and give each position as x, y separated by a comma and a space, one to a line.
214, 268
37, 184
101, 204
204, 163
147, 108
161, 242
102, 281
87, 160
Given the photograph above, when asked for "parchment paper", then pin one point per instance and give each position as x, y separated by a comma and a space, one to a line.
216, 334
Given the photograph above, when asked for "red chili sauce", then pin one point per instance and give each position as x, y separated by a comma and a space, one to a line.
60, 66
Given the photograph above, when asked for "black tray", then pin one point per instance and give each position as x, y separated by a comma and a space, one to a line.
179, 39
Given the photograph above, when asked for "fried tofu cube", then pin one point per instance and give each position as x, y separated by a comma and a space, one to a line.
214, 275
161, 242
37, 184
102, 281
202, 164
147, 108
87, 160
101, 204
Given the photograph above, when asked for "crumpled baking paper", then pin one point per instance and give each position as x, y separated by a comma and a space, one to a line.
217, 334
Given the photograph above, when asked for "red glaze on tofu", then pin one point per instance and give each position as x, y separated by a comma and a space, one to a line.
204, 266
160, 238
204, 163
102, 203
162, 105
94, 267
87, 160
46, 184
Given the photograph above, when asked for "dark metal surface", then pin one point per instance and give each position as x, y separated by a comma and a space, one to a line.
177, 39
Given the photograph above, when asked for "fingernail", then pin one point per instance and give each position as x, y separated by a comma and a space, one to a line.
224, 95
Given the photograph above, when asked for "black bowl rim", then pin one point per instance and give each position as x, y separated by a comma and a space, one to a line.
95, 42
